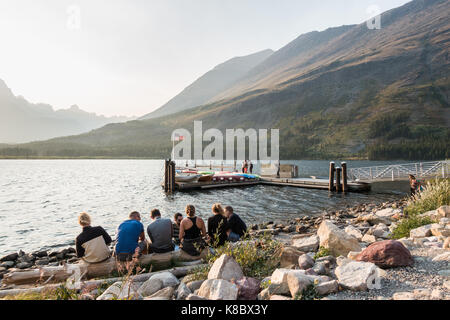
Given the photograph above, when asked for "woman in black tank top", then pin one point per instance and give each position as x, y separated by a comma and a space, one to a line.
191, 238
193, 232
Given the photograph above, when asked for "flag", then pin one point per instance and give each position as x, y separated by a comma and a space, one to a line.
177, 137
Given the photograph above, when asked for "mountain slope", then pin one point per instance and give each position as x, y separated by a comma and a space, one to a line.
21, 121
210, 84
381, 94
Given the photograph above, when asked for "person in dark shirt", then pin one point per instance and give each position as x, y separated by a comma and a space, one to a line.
160, 232
236, 228
192, 232
176, 228
217, 226
92, 244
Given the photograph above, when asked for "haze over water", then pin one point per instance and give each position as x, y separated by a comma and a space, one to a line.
41, 199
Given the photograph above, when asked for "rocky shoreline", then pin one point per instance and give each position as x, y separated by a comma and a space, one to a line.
346, 255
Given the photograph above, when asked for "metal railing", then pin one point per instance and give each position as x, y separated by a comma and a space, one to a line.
440, 169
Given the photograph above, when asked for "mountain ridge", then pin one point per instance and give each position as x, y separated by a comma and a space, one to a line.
377, 94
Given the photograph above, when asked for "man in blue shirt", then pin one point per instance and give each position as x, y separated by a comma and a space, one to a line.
130, 238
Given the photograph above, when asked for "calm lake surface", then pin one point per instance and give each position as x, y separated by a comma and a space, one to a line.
40, 199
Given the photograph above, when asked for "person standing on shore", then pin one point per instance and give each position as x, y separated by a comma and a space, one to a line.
92, 244
250, 165
160, 232
192, 232
217, 226
131, 241
236, 228
178, 217
414, 184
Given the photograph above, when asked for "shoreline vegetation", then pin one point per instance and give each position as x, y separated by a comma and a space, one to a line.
397, 250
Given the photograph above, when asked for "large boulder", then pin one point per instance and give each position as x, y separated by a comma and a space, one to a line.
289, 257
218, 289
248, 288
337, 240
357, 276
226, 268
306, 244
387, 254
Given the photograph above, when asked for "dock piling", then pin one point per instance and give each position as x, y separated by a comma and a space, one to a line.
338, 179
331, 177
344, 177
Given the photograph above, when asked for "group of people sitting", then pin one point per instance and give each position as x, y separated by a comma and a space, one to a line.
188, 234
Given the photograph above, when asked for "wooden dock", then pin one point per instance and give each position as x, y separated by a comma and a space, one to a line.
308, 183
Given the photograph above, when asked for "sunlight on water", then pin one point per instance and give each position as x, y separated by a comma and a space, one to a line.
40, 199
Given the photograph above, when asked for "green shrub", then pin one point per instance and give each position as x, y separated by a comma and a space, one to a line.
434, 195
407, 224
258, 257
310, 293
323, 252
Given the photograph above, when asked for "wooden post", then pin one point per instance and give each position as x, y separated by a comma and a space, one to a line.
338, 179
166, 175
331, 176
172, 176
344, 177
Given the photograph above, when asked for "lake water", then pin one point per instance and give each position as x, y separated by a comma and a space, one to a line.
40, 199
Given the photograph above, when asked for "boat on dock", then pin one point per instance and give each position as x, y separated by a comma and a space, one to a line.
191, 179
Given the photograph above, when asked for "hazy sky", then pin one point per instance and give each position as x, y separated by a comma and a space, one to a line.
129, 57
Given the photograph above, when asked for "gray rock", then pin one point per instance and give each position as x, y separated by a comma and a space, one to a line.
225, 268
194, 285
306, 244
320, 268
10, 257
183, 291
164, 294
356, 276
305, 262
167, 278
150, 287
42, 262
195, 297
24, 265
218, 289
8, 264
328, 287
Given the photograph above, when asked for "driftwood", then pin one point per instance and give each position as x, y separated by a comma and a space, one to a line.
89, 271
178, 272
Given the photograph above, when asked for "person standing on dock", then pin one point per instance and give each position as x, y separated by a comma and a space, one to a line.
244, 166
92, 244
236, 228
192, 232
250, 165
131, 241
160, 232
217, 226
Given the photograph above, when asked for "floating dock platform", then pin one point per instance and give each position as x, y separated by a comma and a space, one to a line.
308, 183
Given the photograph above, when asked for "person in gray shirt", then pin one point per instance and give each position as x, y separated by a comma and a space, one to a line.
160, 232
